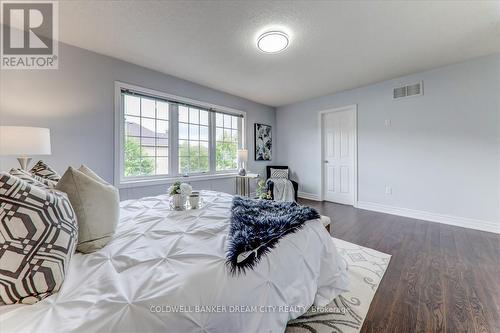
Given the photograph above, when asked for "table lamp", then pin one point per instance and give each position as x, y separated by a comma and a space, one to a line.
242, 159
23, 141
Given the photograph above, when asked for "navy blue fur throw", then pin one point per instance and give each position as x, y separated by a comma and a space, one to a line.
257, 226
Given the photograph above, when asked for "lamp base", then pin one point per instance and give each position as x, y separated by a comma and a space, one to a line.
24, 162
242, 172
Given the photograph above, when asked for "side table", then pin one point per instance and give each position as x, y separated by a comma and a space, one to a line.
242, 183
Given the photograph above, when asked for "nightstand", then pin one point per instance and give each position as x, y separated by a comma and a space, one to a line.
242, 183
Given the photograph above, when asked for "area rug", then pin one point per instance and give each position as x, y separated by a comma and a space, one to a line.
346, 313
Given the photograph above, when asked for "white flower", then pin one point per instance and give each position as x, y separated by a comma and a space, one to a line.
186, 189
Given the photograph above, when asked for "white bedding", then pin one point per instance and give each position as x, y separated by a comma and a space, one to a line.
159, 259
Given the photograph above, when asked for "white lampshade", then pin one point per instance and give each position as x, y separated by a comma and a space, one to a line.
24, 141
242, 155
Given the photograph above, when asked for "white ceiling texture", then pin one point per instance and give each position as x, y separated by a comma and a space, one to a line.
335, 45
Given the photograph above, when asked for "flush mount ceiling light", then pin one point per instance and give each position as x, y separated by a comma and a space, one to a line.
272, 42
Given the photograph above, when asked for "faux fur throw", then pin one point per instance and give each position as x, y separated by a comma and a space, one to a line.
257, 226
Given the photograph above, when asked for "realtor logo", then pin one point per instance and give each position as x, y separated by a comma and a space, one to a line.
29, 35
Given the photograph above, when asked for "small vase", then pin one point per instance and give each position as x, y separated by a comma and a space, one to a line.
178, 201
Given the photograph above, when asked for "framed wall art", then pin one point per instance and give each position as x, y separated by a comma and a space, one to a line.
263, 142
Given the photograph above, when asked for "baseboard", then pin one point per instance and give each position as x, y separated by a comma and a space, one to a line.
308, 196
303, 195
431, 217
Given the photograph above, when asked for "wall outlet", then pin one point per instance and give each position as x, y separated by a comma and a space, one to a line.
388, 190
388, 123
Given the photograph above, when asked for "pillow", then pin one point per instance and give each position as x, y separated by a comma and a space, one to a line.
33, 179
89, 172
38, 234
279, 173
96, 204
43, 170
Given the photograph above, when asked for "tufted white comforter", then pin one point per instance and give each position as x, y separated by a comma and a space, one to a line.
165, 271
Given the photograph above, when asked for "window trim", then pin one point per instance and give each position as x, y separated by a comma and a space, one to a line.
119, 131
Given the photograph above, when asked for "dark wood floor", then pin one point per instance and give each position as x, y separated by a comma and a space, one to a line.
440, 279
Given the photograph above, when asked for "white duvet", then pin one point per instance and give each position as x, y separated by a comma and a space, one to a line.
165, 271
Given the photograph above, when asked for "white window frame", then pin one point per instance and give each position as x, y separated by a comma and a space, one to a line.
173, 141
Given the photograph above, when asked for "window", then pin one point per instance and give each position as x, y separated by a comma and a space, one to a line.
160, 136
226, 141
146, 136
193, 140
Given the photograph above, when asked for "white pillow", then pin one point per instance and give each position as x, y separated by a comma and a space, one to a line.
96, 204
279, 173
89, 172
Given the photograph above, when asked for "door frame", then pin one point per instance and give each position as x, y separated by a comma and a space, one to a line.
354, 109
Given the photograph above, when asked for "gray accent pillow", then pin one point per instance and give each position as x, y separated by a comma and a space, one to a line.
38, 234
279, 173
96, 204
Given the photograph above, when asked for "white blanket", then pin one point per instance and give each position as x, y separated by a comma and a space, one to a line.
162, 266
283, 189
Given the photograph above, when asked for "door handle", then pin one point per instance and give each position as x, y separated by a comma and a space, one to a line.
326, 161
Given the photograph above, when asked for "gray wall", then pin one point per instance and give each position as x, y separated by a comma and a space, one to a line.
441, 154
76, 103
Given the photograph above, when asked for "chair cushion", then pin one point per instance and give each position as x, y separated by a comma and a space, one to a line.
279, 173
43, 170
38, 234
96, 205
33, 179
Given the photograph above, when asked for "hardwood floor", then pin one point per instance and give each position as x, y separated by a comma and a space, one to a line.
440, 279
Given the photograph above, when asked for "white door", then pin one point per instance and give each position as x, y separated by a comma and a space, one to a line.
338, 156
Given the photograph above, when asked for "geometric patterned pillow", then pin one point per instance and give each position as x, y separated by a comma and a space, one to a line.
43, 170
33, 179
279, 173
38, 235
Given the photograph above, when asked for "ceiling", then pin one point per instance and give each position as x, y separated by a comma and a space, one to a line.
335, 45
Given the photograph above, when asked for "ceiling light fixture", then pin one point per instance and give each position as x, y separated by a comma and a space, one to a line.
272, 42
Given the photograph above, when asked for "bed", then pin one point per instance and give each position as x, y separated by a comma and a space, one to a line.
165, 271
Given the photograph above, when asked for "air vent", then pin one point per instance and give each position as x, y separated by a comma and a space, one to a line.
399, 92
408, 90
414, 89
